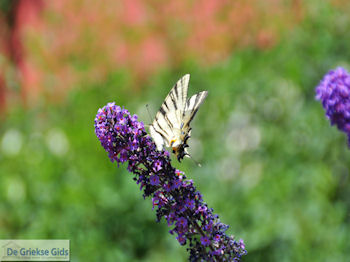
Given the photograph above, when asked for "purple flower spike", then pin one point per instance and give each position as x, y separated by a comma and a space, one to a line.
334, 93
173, 196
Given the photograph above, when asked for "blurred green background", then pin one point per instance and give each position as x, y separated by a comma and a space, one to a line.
273, 167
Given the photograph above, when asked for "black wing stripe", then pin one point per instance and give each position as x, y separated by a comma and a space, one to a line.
173, 100
166, 118
160, 127
166, 104
162, 111
199, 98
197, 101
168, 121
176, 90
160, 133
193, 114
184, 84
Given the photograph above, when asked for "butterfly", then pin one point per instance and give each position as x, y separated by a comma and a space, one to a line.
171, 125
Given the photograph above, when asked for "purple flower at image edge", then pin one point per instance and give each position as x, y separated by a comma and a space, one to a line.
334, 94
173, 196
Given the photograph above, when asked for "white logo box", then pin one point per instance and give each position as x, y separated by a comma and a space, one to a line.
34, 250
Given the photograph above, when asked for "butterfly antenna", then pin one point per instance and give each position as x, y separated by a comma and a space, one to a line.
197, 163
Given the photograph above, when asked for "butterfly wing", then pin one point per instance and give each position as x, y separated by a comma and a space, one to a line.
168, 120
158, 138
191, 107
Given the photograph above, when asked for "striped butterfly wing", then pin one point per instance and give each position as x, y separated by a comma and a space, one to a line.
191, 108
168, 120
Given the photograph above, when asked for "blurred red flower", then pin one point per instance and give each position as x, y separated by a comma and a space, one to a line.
53, 45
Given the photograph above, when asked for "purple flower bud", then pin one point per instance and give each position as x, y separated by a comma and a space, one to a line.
181, 222
170, 218
241, 244
182, 239
157, 165
202, 209
333, 91
168, 187
217, 238
205, 241
189, 203
218, 252
173, 196
176, 184
154, 180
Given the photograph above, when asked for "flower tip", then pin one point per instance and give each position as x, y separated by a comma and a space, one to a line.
334, 93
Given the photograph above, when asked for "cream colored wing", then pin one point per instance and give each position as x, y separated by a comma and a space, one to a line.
191, 108
168, 120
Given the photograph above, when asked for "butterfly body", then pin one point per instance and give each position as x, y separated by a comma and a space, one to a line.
171, 125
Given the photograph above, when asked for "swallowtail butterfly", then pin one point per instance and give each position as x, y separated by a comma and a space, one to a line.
171, 125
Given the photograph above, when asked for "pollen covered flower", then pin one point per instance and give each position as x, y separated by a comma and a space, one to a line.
334, 93
173, 196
